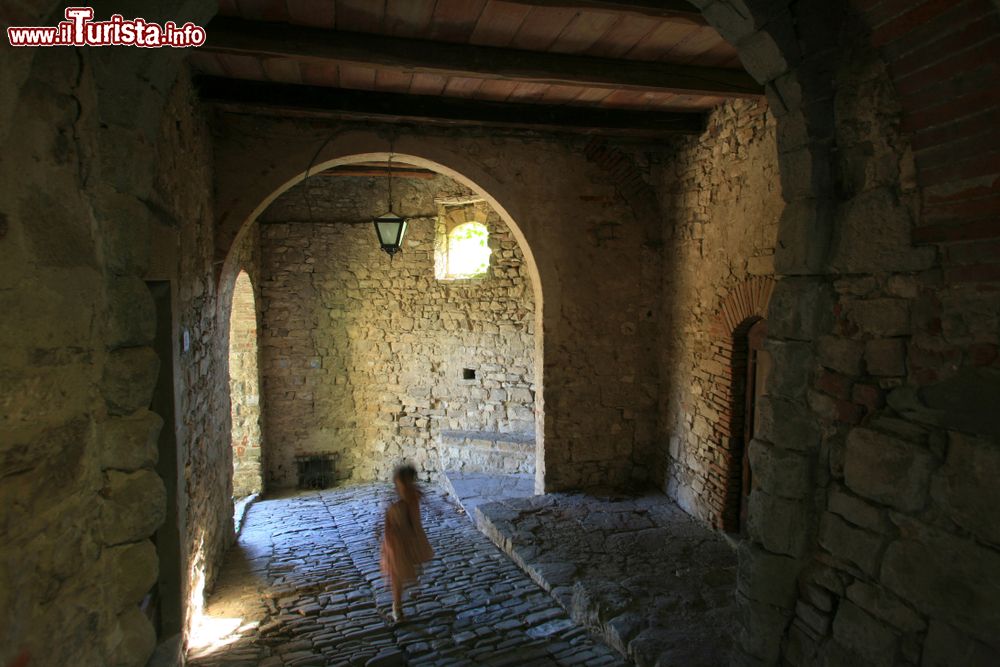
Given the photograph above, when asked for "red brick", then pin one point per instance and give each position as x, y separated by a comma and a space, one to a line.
951, 109
877, 12
961, 14
968, 210
982, 121
964, 84
904, 23
945, 152
870, 396
954, 65
973, 253
986, 164
966, 37
982, 354
973, 273
959, 191
834, 384
849, 413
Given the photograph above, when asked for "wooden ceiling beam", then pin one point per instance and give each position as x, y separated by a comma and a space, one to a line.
666, 9
291, 100
304, 44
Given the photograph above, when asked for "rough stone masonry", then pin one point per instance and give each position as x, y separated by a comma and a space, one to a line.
373, 360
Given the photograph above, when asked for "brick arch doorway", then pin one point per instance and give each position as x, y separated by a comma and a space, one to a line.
240, 204
244, 390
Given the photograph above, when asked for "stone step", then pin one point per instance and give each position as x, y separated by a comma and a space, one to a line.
477, 451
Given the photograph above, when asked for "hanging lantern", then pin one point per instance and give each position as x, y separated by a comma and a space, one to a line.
390, 227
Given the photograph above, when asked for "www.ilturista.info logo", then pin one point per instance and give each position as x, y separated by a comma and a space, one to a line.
79, 29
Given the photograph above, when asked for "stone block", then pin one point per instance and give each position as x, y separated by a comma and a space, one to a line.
133, 570
864, 635
945, 576
781, 525
800, 308
133, 640
805, 171
803, 237
944, 646
791, 370
967, 400
128, 160
126, 224
129, 378
766, 577
887, 469
134, 506
780, 52
732, 25
130, 443
816, 620
840, 354
787, 424
884, 605
780, 472
857, 547
131, 312
885, 357
878, 317
761, 265
966, 486
762, 629
855, 510
873, 235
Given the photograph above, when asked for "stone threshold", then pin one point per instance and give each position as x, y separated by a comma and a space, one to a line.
240, 509
638, 571
471, 489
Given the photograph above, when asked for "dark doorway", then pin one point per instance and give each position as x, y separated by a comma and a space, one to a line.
166, 610
758, 367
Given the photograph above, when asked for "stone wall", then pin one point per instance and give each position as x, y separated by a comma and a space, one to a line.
78, 208
905, 514
597, 262
722, 202
862, 543
201, 312
366, 358
244, 389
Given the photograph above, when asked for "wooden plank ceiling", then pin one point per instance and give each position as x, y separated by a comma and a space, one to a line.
650, 65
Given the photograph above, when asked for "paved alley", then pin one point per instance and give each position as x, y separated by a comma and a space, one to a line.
303, 587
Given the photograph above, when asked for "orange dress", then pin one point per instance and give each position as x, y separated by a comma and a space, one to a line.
405, 547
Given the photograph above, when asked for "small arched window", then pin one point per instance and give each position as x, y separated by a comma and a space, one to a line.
467, 252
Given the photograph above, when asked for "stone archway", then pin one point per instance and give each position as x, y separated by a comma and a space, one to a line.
244, 390
341, 150
740, 310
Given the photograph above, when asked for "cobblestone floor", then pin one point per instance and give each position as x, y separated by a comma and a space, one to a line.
652, 581
302, 587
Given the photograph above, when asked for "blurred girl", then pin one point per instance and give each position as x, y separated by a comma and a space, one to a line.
404, 544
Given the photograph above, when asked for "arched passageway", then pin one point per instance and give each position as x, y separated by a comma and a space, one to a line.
244, 390
368, 362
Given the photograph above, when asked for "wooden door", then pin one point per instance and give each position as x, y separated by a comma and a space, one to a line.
758, 368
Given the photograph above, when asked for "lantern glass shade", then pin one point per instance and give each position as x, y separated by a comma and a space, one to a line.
390, 229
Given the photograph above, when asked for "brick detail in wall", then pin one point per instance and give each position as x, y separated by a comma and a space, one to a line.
628, 180
745, 305
943, 60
